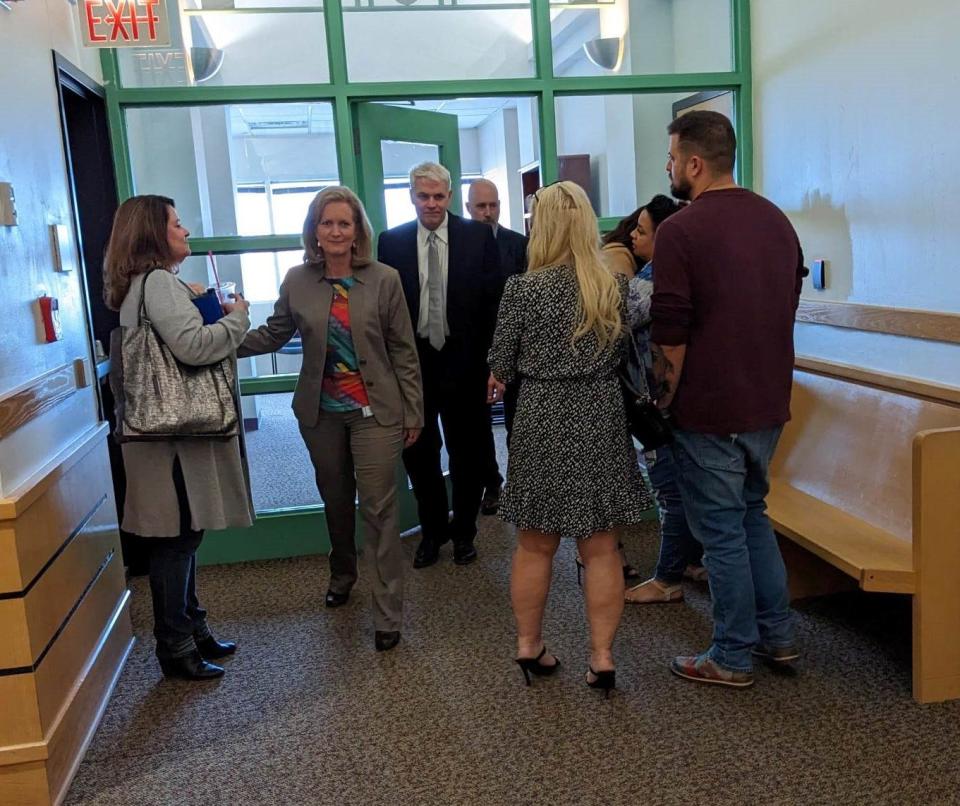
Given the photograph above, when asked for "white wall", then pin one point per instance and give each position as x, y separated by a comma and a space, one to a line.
31, 157
855, 126
500, 152
416, 44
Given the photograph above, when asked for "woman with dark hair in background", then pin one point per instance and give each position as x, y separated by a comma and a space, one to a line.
617, 250
359, 399
176, 488
680, 553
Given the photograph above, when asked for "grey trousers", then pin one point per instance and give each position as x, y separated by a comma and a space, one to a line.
350, 454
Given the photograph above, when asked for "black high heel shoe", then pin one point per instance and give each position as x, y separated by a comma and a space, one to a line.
606, 680
533, 666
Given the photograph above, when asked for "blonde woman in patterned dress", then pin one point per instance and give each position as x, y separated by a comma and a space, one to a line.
573, 471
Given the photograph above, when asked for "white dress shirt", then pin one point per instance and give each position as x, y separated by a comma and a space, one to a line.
422, 251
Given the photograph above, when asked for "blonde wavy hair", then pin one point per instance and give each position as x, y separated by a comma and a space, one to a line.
363, 233
564, 231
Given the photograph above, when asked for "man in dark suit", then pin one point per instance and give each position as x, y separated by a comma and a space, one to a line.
483, 204
450, 271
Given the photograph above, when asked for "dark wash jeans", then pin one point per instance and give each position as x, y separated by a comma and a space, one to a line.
678, 547
724, 482
177, 614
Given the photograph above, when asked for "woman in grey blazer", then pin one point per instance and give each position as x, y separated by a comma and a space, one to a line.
358, 400
176, 488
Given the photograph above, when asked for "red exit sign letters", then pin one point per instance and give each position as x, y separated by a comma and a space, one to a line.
124, 23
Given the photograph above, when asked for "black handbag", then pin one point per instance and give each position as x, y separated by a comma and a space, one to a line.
647, 423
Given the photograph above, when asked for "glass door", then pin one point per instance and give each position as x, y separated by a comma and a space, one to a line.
389, 141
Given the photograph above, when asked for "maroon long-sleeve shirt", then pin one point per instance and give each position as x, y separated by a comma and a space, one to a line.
728, 270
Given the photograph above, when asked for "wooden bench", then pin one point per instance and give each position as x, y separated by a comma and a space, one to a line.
867, 478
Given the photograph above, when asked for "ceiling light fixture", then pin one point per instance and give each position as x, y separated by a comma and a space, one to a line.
605, 52
206, 58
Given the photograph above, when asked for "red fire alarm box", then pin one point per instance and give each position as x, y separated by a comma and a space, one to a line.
50, 314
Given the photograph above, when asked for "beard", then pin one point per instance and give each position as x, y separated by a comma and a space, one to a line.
680, 189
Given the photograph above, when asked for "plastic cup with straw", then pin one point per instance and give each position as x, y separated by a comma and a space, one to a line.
225, 291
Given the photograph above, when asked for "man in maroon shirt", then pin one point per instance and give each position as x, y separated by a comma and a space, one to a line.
727, 279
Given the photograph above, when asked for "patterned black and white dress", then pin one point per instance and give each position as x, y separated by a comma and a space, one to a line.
573, 468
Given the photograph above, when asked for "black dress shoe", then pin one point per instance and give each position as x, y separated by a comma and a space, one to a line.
427, 554
190, 667
212, 649
464, 553
336, 599
384, 640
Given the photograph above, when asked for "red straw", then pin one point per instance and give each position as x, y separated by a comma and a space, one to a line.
216, 274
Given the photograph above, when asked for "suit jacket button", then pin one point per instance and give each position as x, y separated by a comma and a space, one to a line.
362, 361
369, 383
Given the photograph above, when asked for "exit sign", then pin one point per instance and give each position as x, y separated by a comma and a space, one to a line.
124, 23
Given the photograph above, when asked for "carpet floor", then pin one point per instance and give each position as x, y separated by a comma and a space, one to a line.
309, 713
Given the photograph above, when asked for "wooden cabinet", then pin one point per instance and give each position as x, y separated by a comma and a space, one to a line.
570, 167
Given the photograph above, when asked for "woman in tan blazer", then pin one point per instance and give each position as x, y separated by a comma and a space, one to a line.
358, 400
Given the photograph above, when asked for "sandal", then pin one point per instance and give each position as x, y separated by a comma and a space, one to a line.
653, 591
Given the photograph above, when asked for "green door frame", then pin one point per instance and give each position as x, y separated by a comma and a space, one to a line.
374, 123
302, 531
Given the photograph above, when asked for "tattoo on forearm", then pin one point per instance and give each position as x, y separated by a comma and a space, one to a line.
665, 374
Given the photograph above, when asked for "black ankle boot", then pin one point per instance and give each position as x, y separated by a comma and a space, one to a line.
190, 667
385, 640
212, 649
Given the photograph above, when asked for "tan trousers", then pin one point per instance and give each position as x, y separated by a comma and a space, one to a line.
350, 454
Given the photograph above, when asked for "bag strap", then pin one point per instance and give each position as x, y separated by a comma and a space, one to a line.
142, 309
634, 361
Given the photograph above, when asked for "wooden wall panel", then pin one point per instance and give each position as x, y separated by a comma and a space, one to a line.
916, 324
64, 619
42, 393
31, 701
74, 730
29, 541
62, 666
29, 622
20, 708
24, 784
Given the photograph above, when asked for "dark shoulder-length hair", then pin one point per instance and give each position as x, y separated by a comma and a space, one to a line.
138, 243
621, 233
659, 208
363, 239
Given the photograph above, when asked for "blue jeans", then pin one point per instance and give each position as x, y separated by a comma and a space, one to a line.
723, 481
678, 547
178, 618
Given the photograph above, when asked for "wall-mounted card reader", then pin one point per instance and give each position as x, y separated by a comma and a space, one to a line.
818, 274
